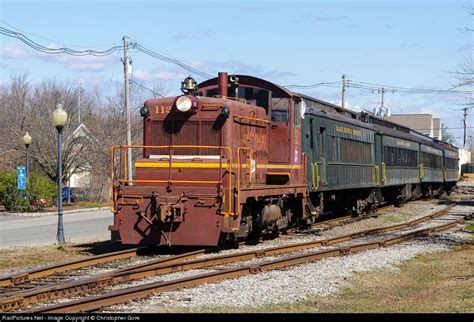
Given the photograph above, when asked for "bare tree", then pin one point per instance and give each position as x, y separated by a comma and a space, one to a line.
24, 108
87, 139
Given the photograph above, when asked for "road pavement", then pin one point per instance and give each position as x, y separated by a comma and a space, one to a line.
78, 227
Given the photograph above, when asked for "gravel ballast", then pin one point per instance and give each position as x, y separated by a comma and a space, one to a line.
294, 284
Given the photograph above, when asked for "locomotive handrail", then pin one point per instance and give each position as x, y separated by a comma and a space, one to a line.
377, 175
239, 118
315, 175
239, 168
422, 170
124, 171
384, 173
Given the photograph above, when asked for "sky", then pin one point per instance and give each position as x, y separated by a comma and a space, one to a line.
404, 43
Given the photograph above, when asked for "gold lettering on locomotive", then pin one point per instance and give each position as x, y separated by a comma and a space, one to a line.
348, 130
162, 109
403, 143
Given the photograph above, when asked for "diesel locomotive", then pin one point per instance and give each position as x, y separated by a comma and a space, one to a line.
238, 155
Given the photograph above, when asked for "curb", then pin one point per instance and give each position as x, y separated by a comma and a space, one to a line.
50, 213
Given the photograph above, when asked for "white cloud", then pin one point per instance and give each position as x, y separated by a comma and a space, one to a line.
200, 33
348, 105
233, 66
13, 51
83, 63
157, 74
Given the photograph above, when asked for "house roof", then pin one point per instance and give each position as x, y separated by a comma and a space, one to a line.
418, 122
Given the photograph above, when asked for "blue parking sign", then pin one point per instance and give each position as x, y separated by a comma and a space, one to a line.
21, 177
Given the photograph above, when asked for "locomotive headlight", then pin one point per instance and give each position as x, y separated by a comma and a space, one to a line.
183, 103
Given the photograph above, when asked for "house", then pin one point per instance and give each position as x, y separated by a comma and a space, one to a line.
423, 123
80, 179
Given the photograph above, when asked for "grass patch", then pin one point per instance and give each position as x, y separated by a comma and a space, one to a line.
398, 217
469, 227
21, 258
90, 204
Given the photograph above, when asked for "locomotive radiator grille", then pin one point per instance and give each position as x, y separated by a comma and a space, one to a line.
184, 133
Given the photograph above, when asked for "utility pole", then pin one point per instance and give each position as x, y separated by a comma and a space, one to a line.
343, 89
79, 104
382, 90
464, 122
126, 64
382, 110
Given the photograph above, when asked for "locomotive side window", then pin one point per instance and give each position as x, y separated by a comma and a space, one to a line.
280, 110
254, 96
297, 114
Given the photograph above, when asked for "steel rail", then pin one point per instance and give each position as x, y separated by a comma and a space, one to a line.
165, 266
120, 296
45, 271
337, 221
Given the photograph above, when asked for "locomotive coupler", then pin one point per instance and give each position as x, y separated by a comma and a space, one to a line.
168, 211
171, 212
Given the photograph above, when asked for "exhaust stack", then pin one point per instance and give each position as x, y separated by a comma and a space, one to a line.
223, 85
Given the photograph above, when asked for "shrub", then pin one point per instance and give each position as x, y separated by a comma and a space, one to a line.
38, 194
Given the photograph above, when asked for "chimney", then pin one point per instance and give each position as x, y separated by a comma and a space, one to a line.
222, 81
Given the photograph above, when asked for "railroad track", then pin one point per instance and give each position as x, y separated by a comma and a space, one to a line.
29, 298
11, 283
466, 190
57, 273
330, 223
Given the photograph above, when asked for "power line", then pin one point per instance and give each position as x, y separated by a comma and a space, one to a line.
328, 84
144, 49
445, 128
150, 52
153, 53
373, 86
144, 87
63, 50
49, 39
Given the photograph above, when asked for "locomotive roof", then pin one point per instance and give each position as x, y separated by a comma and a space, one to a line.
334, 106
375, 123
252, 81
340, 118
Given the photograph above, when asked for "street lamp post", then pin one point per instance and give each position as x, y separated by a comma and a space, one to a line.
26, 140
59, 121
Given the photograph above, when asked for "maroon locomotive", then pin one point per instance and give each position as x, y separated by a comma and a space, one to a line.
210, 157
